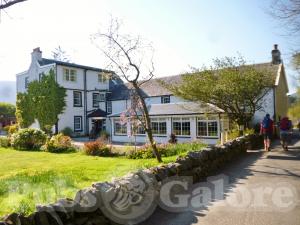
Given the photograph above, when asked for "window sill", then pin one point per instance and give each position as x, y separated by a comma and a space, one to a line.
120, 134
77, 106
207, 137
183, 136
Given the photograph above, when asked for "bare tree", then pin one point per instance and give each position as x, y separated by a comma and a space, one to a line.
7, 3
132, 59
60, 55
288, 13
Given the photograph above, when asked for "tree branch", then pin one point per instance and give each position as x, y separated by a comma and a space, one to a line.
10, 3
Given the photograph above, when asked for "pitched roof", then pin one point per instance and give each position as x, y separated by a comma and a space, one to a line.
180, 108
97, 113
153, 87
44, 62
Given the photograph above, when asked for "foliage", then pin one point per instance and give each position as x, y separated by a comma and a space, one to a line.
67, 131
24, 110
7, 109
165, 150
28, 139
229, 84
4, 142
97, 148
59, 143
44, 101
11, 129
235, 133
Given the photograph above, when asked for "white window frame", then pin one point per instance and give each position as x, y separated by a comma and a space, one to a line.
80, 98
26, 82
109, 107
69, 75
207, 121
166, 99
95, 100
123, 128
159, 121
80, 123
181, 120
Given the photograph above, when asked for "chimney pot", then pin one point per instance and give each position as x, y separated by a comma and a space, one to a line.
276, 55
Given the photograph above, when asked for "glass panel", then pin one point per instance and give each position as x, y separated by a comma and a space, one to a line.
154, 126
213, 129
185, 128
202, 128
177, 128
162, 128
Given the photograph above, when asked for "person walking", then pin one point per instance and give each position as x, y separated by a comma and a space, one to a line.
285, 125
266, 129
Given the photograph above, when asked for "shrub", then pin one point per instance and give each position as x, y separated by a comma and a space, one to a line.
165, 150
67, 131
104, 135
11, 129
233, 134
59, 143
28, 139
4, 142
97, 148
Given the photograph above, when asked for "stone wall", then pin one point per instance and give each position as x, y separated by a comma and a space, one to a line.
132, 198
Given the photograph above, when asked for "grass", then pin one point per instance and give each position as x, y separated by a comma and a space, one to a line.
30, 178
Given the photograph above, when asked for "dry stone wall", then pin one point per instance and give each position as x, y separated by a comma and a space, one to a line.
132, 198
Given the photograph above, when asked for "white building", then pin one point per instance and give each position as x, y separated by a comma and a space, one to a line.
97, 98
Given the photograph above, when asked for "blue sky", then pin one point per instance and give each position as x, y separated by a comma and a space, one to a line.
183, 33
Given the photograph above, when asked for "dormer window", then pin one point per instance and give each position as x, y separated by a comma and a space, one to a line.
70, 75
102, 77
165, 99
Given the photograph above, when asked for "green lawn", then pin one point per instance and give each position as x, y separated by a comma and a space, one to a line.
29, 178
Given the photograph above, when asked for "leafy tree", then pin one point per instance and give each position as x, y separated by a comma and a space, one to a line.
46, 99
229, 84
7, 109
132, 59
24, 113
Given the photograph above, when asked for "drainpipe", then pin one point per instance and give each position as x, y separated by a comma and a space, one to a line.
56, 124
85, 104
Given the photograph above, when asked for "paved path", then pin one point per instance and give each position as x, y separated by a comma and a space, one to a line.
260, 169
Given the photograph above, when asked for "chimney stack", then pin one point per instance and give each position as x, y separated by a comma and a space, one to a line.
276, 55
36, 54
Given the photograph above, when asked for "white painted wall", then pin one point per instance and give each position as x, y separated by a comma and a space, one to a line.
268, 107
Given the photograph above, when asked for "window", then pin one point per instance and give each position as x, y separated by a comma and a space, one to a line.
97, 97
140, 130
120, 128
101, 97
41, 76
70, 75
182, 126
207, 128
165, 99
159, 126
77, 123
77, 99
109, 107
26, 82
102, 77
96, 100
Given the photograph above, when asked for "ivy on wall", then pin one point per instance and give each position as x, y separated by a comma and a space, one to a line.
44, 101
